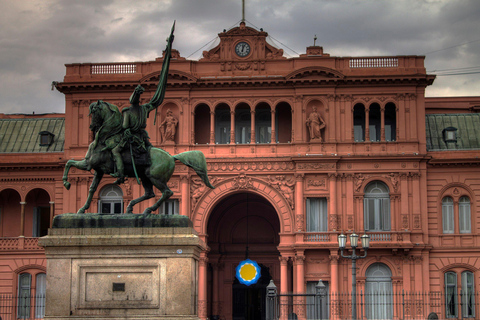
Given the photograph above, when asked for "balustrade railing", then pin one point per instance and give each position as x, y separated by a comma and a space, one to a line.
373, 63
114, 68
19, 244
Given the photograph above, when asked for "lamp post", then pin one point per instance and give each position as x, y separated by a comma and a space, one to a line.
365, 239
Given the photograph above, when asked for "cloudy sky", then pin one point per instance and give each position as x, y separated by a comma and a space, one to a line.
38, 37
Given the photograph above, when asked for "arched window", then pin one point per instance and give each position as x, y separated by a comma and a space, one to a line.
390, 122
222, 125
359, 122
464, 222
111, 200
283, 123
448, 215
374, 122
263, 124
378, 292
202, 124
243, 124
376, 207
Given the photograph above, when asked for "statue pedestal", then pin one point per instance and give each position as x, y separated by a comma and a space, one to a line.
121, 267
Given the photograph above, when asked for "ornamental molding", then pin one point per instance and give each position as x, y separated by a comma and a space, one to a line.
316, 166
250, 166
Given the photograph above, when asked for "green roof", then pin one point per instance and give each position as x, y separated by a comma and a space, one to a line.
468, 131
23, 135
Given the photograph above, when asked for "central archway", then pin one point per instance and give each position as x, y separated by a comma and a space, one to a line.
241, 225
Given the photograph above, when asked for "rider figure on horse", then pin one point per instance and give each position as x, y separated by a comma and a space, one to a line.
135, 137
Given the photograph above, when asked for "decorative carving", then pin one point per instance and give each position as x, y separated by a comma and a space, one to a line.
243, 182
333, 221
315, 182
359, 179
394, 179
286, 187
299, 221
416, 221
404, 221
316, 166
197, 188
242, 66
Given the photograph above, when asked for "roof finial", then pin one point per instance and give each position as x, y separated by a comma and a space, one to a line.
314, 40
243, 10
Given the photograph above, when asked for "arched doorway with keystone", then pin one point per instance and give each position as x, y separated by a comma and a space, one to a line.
242, 225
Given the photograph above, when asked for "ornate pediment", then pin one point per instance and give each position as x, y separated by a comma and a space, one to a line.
315, 72
242, 44
173, 75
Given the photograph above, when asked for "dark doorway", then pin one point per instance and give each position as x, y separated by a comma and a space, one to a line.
238, 221
249, 301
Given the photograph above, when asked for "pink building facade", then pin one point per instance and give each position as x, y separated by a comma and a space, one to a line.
300, 150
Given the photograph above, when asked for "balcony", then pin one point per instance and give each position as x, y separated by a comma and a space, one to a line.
19, 244
388, 239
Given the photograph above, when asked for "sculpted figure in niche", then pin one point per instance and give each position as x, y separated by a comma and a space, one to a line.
315, 125
168, 127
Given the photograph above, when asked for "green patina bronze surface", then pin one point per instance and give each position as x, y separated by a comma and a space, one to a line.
93, 220
122, 148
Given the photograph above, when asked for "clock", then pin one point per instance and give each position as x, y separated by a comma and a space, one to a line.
242, 49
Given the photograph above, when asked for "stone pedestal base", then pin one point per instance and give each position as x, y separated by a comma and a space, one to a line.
127, 272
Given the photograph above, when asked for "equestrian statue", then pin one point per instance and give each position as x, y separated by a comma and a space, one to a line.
122, 148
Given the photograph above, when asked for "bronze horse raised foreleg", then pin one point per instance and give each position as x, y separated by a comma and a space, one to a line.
82, 165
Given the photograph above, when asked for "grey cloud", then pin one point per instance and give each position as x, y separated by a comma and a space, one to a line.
37, 38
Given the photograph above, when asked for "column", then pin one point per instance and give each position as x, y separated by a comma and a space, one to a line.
22, 218
202, 286
300, 284
299, 202
283, 286
333, 200
215, 302
274, 134
367, 124
185, 190
252, 126
334, 284
52, 212
382, 124
232, 127
212, 127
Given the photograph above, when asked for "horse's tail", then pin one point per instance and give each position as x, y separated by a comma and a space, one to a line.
195, 160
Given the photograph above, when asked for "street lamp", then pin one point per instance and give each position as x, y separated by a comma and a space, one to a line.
365, 240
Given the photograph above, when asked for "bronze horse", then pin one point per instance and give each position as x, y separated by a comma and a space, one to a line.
107, 127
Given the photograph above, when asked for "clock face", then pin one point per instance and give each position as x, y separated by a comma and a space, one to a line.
242, 49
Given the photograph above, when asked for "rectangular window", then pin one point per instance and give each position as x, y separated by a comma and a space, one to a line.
41, 285
451, 294
24, 283
464, 216
169, 207
468, 295
377, 214
447, 216
317, 215
317, 306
